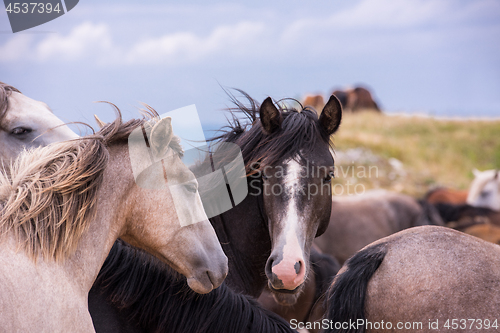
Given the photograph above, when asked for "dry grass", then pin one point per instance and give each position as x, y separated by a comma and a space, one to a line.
433, 152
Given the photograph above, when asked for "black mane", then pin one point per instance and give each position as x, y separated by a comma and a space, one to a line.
299, 131
157, 299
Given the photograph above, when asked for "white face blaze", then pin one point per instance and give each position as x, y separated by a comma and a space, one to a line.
291, 269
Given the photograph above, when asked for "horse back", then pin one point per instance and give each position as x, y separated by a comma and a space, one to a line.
435, 273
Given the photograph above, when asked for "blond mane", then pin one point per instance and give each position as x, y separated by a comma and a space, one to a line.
48, 195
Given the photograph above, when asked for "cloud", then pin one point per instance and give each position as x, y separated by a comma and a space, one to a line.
87, 39
16, 48
187, 47
375, 27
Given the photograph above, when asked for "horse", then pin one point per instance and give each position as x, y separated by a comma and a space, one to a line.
309, 306
152, 298
476, 221
26, 123
485, 190
446, 196
356, 221
465, 215
64, 205
288, 160
356, 99
423, 279
274, 146
315, 101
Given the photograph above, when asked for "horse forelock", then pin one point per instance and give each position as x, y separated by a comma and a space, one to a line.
5, 91
299, 132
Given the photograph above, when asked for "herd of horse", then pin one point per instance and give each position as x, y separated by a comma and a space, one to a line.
85, 249
354, 99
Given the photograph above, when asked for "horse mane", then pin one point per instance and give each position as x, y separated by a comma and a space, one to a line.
5, 91
299, 131
159, 300
48, 195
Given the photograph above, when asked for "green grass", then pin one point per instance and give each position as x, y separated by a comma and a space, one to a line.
433, 152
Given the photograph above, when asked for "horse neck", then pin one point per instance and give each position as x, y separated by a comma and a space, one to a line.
245, 239
96, 242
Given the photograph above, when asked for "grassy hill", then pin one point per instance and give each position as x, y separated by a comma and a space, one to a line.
412, 154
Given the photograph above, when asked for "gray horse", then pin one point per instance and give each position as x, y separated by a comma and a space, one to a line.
356, 221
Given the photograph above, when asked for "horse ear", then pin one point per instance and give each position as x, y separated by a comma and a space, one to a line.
100, 123
270, 116
331, 115
475, 172
160, 137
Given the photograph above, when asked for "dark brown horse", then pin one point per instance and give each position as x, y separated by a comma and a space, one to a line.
476, 221
288, 160
424, 279
267, 237
356, 99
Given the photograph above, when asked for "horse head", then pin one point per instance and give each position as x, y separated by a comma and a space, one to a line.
296, 190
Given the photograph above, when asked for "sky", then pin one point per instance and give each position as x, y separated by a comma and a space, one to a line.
440, 57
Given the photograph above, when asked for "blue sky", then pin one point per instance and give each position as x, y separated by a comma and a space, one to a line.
440, 57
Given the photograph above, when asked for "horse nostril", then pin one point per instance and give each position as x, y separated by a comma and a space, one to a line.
297, 266
269, 267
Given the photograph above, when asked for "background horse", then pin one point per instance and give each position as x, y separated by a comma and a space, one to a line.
315, 101
422, 277
356, 221
64, 205
476, 221
356, 99
446, 196
485, 190
25, 122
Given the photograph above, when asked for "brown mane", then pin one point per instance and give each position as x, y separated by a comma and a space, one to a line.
48, 195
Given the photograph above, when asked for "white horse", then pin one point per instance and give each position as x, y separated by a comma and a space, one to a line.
62, 208
25, 122
485, 190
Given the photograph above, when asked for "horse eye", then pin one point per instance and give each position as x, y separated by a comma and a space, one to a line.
484, 194
191, 188
329, 177
21, 131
